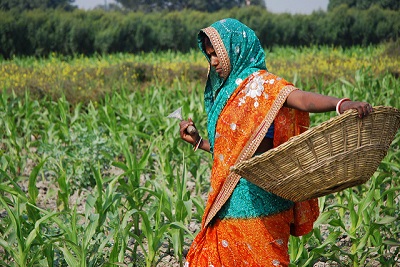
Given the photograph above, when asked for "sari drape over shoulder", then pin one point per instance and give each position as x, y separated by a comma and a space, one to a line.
254, 232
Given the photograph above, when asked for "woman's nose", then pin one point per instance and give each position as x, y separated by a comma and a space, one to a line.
214, 61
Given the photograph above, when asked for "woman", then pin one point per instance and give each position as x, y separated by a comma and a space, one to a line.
249, 111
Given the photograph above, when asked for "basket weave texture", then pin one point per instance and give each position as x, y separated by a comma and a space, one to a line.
342, 152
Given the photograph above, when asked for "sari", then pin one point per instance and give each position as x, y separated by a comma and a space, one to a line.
244, 225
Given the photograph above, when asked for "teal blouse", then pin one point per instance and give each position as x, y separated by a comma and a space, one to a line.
250, 201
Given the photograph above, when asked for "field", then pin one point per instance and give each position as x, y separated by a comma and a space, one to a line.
92, 173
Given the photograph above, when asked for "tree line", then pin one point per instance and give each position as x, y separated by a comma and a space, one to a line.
40, 32
178, 5
134, 5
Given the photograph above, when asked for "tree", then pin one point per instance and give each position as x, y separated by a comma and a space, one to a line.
21, 5
171, 5
365, 4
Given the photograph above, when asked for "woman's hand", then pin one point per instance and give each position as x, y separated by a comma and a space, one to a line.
363, 108
193, 138
185, 135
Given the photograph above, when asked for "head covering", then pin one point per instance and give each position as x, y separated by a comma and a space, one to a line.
241, 54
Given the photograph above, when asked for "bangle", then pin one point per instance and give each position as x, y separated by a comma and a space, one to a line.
340, 103
197, 145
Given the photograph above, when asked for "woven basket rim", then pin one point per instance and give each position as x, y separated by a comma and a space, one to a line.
324, 126
250, 169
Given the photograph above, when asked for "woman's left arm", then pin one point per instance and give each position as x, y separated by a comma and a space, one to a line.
315, 103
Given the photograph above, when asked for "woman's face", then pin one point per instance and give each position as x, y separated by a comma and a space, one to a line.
214, 60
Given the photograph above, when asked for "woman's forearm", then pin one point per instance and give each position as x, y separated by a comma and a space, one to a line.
205, 145
311, 102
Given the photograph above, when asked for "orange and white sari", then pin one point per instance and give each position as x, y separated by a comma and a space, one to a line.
256, 238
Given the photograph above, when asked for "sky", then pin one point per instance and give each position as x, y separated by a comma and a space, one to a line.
276, 6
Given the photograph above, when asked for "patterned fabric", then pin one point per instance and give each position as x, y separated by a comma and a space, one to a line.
242, 54
251, 233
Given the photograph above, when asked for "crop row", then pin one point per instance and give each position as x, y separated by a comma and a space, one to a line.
108, 182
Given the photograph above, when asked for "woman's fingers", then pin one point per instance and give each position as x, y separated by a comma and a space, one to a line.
362, 108
183, 126
186, 131
366, 109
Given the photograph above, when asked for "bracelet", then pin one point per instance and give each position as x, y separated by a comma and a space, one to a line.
197, 145
340, 103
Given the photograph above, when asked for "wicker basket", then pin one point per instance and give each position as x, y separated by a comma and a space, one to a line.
337, 154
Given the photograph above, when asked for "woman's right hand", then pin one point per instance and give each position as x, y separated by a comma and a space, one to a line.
185, 135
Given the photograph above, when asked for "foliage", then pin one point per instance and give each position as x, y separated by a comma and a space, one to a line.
22, 5
83, 79
42, 32
177, 5
109, 182
364, 4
